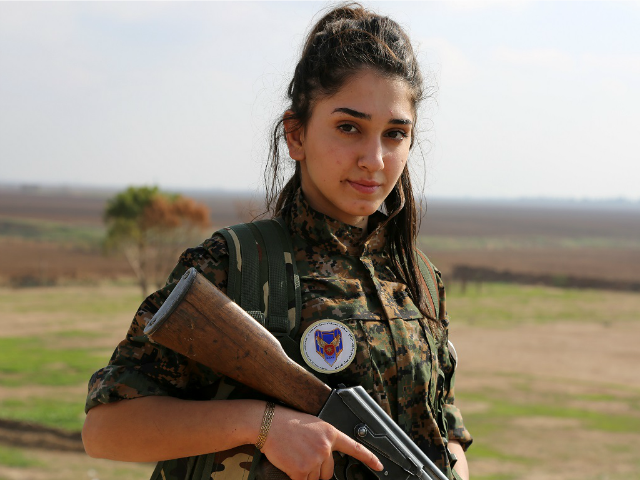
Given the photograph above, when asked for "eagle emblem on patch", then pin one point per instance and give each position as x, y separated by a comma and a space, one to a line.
328, 346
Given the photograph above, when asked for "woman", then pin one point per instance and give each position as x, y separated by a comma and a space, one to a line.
349, 129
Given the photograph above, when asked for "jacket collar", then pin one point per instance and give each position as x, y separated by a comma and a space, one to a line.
331, 235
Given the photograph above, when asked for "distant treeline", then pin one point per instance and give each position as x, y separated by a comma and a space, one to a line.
465, 274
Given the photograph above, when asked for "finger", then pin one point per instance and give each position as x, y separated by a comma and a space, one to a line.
326, 469
356, 450
315, 475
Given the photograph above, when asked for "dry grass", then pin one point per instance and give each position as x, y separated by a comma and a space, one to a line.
548, 380
52, 465
544, 399
550, 399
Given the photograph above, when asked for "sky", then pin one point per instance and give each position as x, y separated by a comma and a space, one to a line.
531, 99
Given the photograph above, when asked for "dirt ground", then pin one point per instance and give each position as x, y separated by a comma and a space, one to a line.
570, 238
588, 367
613, 264
501, 359
560, 352
552, 401
49, 263
559, 376
61, 465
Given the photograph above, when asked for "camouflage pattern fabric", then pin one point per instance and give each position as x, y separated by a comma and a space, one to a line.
346, 276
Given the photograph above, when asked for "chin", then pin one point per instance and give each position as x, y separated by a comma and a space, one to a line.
364, 208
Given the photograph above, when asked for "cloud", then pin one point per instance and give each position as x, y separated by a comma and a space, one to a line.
618, 62
50, 23
558, 60
447, 59
478, 5
634, 3
137, 12
144, 10
545, 58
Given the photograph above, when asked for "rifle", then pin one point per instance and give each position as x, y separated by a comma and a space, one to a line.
198, 321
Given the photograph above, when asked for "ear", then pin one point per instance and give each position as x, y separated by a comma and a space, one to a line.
295, 137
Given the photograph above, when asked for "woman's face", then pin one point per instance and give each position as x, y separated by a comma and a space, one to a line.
354, 147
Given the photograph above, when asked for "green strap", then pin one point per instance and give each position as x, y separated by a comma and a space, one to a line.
455, 475
245, 265
200, 465
277, 321
269, 257
157, 472
293, 279
257, 456
261, 252
429, 275
250, 267
234, 286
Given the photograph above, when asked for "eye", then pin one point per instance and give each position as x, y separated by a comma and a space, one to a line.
347, 128
397, 134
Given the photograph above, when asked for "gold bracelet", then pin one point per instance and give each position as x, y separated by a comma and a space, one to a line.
266, 424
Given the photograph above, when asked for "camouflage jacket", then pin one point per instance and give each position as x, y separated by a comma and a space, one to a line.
344, 276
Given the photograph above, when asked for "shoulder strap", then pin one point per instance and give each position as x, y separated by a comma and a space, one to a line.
283, 295
263, 277
263, 280
243, 282
428, 272
293, 279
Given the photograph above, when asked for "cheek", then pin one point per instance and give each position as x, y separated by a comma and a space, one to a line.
398, 166
333, 165
337, 157
326, 173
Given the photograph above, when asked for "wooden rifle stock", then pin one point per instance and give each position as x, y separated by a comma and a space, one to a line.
200, 322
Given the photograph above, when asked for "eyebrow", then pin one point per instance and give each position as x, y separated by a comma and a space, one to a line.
366, 116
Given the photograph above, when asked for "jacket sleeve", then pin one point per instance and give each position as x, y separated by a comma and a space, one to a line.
141, 368
453, 421
456, 429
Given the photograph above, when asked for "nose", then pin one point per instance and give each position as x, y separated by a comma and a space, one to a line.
372, 156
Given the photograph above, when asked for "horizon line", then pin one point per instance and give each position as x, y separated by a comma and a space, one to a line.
83, 187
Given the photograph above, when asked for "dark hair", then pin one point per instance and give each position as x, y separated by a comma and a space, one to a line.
346, 40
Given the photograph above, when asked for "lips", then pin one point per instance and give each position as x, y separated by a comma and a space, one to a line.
364, 186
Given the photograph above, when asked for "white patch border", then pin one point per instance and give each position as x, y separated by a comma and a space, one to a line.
346, 334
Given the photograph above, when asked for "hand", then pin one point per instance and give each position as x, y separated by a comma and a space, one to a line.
301, 446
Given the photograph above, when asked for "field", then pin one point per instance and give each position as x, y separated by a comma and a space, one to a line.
53, 235
547, 380
545, 398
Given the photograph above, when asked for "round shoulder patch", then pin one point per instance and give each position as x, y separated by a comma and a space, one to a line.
328, 346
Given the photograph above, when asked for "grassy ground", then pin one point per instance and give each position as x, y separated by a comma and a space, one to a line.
519, 242
34, 464
546, 380
87, 236
51, 341
503, 305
